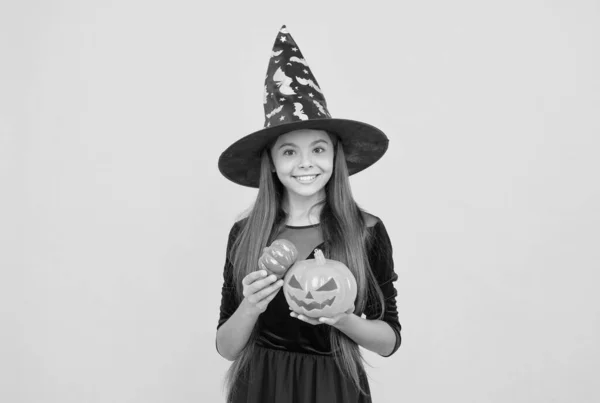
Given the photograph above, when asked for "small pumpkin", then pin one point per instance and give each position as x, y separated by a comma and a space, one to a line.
319, 287
278, 257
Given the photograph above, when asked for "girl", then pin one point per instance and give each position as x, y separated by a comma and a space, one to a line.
300, 161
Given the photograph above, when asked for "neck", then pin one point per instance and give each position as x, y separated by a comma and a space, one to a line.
299, 210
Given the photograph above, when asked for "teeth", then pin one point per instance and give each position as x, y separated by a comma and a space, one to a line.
306, 178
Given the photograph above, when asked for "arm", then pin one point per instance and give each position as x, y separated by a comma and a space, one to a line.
380, 253
234, 333
259, 290
374, 335
380, 335
237, 319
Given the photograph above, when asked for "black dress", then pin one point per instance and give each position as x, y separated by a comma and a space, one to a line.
293, 360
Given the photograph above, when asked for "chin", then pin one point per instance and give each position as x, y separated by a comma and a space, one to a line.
303, 190
307, 194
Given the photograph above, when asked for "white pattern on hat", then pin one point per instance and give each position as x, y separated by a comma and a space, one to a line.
283, 82
299, 112
323, 111
309, 82
298, 60
274, 54
274, 112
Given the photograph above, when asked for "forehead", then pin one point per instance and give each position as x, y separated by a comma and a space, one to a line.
304, 136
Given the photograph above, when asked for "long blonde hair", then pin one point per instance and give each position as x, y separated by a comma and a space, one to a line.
345, 234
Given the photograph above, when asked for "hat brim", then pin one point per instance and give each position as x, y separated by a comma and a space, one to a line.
363, 146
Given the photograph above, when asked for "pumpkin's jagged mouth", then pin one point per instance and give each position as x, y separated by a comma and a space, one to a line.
314, 304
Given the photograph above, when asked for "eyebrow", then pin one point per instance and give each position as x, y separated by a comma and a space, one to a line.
311, 144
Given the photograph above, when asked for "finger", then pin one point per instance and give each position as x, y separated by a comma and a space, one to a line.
260, 288
305, 319
252, 277
265, 292
309, 320
265, 301
261, 283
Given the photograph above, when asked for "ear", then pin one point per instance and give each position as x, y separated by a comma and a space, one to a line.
271, 164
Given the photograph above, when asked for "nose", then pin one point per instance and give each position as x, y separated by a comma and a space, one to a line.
306, 161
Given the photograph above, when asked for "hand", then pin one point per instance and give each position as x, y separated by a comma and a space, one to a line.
259, 290
331, 321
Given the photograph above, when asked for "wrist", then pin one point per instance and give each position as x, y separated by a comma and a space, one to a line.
345, 321
248, 311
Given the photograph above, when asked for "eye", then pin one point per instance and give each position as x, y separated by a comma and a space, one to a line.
294, 283
328, 286
319, 150
288, 152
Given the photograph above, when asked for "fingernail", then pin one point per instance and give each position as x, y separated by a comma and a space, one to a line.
263, 273
273, 277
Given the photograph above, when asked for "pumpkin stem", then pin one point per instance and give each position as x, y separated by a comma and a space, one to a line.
319, 257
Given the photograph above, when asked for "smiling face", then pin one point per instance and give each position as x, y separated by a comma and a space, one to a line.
303, 160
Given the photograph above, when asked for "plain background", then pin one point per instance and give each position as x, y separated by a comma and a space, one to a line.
114, 217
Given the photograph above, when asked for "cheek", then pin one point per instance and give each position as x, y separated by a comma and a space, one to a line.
284, 165
326, 162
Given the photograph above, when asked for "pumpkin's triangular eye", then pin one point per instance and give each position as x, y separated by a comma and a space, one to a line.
294, 283
328, 286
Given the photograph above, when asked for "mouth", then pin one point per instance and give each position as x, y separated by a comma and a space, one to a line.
306, 178
312, 305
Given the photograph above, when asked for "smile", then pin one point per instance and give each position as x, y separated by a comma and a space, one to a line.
312, 305
306, 178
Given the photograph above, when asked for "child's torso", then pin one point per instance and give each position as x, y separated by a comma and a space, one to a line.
278, 329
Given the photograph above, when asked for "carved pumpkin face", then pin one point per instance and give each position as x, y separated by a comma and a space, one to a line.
278, 257
319, 287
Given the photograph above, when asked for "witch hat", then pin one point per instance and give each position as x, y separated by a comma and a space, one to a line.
294, 100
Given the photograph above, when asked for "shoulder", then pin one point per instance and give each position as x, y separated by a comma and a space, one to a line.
235, 230
238, 225
372, 222
376, 231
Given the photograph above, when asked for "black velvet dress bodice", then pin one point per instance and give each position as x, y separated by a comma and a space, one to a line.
278, 330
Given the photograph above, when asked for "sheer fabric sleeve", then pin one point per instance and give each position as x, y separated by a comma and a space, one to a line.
228, 299
382, 264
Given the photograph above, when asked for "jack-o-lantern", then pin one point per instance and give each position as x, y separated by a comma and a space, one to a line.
319, 287
278, 257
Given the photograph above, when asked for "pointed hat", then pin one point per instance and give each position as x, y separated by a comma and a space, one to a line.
294, 100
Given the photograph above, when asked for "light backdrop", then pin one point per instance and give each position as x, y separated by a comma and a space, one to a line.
114, 216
